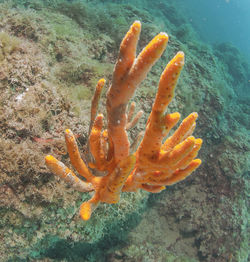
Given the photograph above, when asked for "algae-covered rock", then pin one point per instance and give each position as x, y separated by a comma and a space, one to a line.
51, 55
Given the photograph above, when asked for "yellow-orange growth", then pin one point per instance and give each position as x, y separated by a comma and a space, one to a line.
154, 164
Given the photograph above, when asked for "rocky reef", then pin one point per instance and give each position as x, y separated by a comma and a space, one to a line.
51, 55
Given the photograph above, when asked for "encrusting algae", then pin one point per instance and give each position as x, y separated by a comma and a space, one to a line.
112, 165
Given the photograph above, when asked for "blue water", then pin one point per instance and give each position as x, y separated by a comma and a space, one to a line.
221, 21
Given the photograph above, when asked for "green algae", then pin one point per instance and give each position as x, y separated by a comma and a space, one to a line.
8, 45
